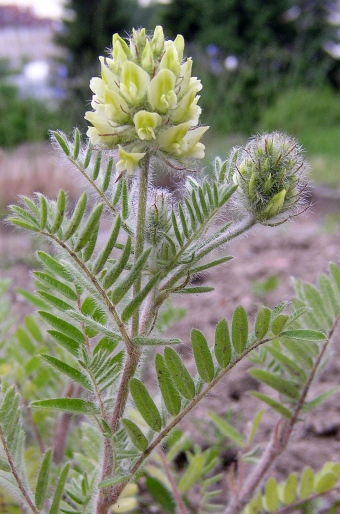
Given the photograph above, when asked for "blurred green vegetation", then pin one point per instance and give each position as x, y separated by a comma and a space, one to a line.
25, 119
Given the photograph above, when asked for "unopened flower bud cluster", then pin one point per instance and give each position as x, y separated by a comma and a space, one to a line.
270, 172
146, 101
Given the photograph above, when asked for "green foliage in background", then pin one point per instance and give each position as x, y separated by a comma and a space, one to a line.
24, 119
278, 45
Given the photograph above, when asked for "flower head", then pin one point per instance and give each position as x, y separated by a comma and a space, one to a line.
146, 98
270, 172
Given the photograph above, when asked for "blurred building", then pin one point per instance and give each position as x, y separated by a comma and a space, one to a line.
26, 44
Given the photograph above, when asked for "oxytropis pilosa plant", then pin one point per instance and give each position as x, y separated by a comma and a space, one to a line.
116, 259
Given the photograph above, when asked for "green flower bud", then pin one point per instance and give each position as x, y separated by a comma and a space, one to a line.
270, 172
147, 97
158, 219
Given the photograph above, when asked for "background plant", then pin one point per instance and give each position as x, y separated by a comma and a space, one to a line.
101, 300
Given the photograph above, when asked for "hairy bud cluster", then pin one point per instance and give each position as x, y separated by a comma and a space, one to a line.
270, 172
158, 218
146, 100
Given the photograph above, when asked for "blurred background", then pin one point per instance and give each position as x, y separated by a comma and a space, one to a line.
264, 66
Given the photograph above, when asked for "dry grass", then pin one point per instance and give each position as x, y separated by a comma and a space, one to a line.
34, 167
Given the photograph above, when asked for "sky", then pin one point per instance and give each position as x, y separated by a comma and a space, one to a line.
42, 8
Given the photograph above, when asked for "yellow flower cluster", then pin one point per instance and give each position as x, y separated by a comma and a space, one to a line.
146, 101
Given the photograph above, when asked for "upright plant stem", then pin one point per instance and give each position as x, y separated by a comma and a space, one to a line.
105, 498
140, 231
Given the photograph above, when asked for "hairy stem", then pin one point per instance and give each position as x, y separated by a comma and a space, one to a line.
279, 440
140, 231
16, 475
108, 496
175, 490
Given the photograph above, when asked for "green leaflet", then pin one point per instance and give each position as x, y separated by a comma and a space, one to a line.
170, 394
76, 143
55, 301
23, 224
88, 155
59, 490
61, 139
76, 217
90, 245
4, 466
96, 168
262, 322
328, 293
335, 273
125, 199
239, 329
105, 252
107, 175
135, 434
92, 326
254, 427
25, 341
312, 404
305, 335
226, 429
60, 212
202, 355
195, 290
119, 292
176, 229
71, 345
43, 211
71, 372
179, 374
273, 404
315, 300
154, 341
145, 404
54, 266
112, 275
283, 386
25, 215
33, 328
192, 474
210, 264
271, 496
161, 494
55, 284
289, 490
279, 323
136, 302
183, 221
222, 346
73, 405
117, 192
306, 483
288, 363
63, 326
43, 480
325, 482
89, 227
